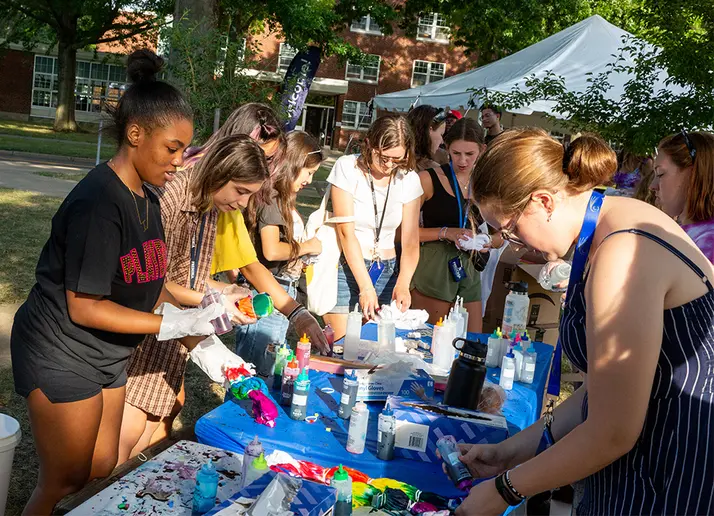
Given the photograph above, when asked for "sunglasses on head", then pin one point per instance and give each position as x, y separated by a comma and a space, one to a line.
690, 146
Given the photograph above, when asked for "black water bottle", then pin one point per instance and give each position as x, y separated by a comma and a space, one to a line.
468, 373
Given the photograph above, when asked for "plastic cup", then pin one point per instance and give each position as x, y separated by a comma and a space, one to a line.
9, 438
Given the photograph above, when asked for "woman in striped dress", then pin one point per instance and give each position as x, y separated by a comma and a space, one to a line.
639, 320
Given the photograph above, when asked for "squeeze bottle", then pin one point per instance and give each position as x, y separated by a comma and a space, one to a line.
508, 371
342, 483
357, 435
386, 433
301, 390
349, 395
494, 357
302, 352
353, 335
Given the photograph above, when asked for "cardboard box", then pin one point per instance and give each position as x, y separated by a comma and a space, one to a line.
421, 424
313, 499
378, 387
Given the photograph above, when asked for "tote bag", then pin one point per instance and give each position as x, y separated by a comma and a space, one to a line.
321, 277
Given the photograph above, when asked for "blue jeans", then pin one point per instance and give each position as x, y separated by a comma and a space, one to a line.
348, 289
252, 339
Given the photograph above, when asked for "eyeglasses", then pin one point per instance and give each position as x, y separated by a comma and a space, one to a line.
690, 145
384, 161
508, 232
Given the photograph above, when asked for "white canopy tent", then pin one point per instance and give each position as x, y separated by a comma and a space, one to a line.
586, 47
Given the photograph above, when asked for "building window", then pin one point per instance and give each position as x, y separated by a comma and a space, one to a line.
432, 27
366, 24
286, 57
355, 115
94, 83
369, 72
425, 72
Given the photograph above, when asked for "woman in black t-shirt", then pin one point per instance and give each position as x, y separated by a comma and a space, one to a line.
99, 278
276, 229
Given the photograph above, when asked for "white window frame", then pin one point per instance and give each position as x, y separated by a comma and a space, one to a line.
428, 71
361, 73
85, 87
361, 108
368, 29
293, 53
431, 20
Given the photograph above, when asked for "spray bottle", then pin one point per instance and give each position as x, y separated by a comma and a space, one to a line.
386, 433
290, 372
303, 352
204, 494
349, 395
301, 389
457, 470
357, 435
252, 451
342, 483
353, 335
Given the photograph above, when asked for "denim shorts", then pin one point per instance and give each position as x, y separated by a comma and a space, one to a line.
348, 290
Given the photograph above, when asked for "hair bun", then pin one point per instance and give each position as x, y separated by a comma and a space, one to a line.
143, 66
589, 162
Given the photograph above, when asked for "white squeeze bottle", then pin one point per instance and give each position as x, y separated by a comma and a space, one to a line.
515, 311
353, 335
508, 372
560, 273
357, 434
518, 357
387, 334
465, 314
493, 356
441, 348
458, 320
529, 365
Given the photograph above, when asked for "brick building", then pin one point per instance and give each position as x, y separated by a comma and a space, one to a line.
336, 109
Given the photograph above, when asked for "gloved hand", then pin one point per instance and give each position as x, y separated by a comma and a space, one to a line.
211, 355
229, 297
303, 322
177, 323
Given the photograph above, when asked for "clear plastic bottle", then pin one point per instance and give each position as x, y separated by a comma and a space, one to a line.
357, 435
330, 338
349, 396
518, 357
493, 356
204, 494
281, 359
342, 483
558, 274
465, 315
508, 371
386, 434
529, 365
353, 335
252, 451
442, 349
256, 469
387, 334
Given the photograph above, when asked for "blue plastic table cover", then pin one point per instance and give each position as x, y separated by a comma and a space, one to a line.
231, 426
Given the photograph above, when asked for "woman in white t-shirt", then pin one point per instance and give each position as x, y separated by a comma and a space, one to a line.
380, 189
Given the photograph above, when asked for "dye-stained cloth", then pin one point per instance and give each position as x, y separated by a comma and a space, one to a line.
156, 369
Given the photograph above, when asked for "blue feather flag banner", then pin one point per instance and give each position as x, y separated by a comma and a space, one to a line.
296, 85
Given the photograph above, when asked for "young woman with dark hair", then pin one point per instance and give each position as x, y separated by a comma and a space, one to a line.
381, 191
99, 278
638, 320
223, 181
428, 125
276, 229
447, 213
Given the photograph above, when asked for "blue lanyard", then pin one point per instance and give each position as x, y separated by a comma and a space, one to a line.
585, 240
457, 194
580, 258
196, 252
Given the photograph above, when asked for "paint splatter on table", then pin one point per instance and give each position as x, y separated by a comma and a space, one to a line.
165, 484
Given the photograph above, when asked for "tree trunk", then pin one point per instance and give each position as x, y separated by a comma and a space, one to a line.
67, 64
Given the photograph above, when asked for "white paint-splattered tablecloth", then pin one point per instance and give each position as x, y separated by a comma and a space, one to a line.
165, 484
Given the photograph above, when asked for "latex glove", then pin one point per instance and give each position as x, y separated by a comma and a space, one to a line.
474, 243
211, 355
303, 322
177, 323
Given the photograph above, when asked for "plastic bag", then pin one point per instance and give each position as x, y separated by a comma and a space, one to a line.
277, 497
492, 398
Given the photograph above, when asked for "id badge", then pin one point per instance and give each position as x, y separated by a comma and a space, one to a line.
375, 271
457, 269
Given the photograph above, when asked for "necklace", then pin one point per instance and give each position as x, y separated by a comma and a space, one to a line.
144, 222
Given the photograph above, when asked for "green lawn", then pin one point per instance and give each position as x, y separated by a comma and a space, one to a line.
44, 130
70, 176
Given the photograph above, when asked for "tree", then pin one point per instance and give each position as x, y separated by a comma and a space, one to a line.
75, 25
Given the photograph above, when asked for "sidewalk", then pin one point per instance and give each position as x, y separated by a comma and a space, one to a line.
19, 173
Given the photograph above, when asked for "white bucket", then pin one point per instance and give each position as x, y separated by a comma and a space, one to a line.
9, 438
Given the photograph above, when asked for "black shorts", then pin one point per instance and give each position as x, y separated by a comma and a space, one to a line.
32, 370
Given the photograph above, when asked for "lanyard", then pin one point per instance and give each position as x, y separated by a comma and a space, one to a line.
196, 251
459, 196
585, 240
580, 257
377, 222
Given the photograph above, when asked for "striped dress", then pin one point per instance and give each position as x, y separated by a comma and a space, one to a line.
670, 470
